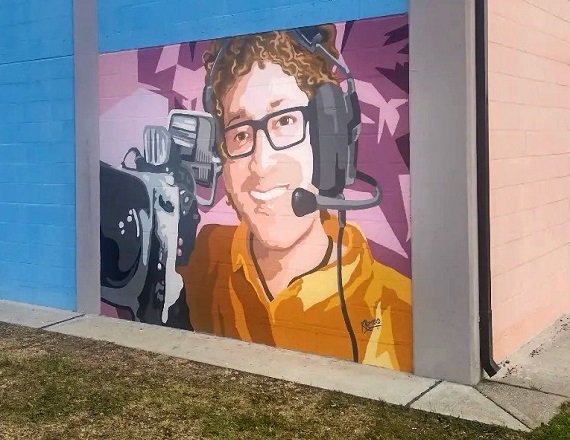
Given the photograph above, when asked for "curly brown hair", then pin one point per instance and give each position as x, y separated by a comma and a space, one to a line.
309, 69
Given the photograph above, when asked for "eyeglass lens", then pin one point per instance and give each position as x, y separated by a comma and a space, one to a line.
284, 130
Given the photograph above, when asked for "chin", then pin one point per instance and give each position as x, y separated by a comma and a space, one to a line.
279, 236
275, 241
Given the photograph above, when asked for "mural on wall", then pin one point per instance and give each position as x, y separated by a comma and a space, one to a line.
257, 187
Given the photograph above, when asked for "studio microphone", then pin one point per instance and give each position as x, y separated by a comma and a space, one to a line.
305, 202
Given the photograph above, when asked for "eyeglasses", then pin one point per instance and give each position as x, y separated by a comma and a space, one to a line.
284, 129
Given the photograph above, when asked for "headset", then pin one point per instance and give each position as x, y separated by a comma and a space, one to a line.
334, 131
334, 128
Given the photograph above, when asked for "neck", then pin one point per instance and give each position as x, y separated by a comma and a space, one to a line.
279, 266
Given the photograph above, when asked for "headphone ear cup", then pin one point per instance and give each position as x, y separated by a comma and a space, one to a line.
208, 103
207, 99
328, 129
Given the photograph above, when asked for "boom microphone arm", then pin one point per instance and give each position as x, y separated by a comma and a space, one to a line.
305, 202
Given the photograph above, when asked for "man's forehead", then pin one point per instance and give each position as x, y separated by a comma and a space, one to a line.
263, 90
240, 112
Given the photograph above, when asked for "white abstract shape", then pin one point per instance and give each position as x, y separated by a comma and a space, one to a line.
168, 57
340, 29
374, 224
388, 110
406, 199
121, 126
391, 115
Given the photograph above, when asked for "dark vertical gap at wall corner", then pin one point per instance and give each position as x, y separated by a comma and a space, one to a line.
483, 192
87, 205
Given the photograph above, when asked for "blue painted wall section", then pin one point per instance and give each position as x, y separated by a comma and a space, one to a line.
37, 153
130, 24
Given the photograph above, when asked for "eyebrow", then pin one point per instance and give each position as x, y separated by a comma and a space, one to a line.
234, 116
239, 113
276, 103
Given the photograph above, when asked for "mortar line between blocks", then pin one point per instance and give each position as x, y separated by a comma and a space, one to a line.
503, 408
422, 394
62, 321
46, 58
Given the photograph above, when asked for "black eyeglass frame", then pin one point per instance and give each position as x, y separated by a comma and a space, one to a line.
261, 124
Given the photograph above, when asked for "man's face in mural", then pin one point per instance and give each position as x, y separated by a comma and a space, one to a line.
263, 171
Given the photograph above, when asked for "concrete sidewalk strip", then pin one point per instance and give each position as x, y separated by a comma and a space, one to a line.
348, 377
32, 316
467, 403
542, 364
492, 403
531, 407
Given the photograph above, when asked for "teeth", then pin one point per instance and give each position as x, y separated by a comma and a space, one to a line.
268, 195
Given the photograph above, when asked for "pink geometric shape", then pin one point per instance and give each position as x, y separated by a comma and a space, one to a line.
190, 84
406, 198
121, 126
389, 115
374, 224
168, 57
118, 78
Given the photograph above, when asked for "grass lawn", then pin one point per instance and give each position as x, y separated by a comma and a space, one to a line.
59, 387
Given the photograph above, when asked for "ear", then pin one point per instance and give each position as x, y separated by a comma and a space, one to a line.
230, 202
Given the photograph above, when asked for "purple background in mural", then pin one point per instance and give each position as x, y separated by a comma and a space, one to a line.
142, 86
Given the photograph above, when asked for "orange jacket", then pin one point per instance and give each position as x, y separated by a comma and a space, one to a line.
226, 298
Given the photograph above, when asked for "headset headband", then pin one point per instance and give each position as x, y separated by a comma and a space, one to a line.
310, 38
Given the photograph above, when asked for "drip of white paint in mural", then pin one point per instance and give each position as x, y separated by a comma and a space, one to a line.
166, 193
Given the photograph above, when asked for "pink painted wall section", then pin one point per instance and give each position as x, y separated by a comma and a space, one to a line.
529, 106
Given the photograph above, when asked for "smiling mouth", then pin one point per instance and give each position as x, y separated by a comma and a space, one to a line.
270, 194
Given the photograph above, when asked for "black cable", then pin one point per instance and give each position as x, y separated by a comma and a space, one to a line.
138, 156
342, 224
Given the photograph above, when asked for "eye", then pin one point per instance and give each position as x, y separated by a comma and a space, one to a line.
241, 136
286, 120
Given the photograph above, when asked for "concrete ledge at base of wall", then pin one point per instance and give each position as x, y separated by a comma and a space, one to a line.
318, 371
33, 316
360, 380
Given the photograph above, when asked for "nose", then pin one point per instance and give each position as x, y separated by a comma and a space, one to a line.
263, 159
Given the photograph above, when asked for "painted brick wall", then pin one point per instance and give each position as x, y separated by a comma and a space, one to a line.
131, 24
37, 169
529, 92
151, 63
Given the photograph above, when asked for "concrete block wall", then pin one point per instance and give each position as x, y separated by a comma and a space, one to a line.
37, 153
130, 24
529, 110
